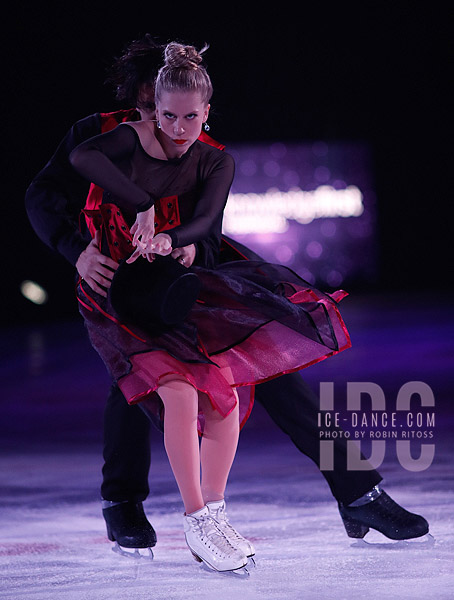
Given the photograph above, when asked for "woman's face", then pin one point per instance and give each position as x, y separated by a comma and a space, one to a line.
181, 116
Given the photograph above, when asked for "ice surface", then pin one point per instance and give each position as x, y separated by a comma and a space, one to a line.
52, 535
53, 541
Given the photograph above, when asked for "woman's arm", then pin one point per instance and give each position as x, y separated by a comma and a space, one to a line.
207, 219
210, 206
95, 160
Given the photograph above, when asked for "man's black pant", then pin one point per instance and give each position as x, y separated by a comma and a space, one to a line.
288, 400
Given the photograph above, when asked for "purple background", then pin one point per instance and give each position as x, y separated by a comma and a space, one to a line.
326, 251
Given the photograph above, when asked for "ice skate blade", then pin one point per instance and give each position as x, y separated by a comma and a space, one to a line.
241, 573
135, 553
425, 541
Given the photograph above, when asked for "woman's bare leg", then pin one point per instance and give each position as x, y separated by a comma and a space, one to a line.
203, 534
218, 449
219, 442
181, 440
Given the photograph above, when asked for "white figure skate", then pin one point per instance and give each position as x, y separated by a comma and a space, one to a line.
218, 513
208, 543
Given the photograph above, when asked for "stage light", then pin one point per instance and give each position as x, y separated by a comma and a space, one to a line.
308, 205
271, 168
248, 223
33, 292
314, 249
334, 278
270, 211
284, 254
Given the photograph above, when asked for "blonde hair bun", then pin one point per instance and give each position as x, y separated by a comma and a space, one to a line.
183, 71
179, 56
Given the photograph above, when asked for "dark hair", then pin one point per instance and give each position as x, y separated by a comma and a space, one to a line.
183, 70
138, 64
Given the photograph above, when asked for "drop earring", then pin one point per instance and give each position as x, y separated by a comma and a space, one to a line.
158, 124
206, 126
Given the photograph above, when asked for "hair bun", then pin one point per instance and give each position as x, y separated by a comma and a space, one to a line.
179, 56
183, 70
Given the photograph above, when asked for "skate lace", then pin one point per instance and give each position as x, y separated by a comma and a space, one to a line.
225, 526
212, 536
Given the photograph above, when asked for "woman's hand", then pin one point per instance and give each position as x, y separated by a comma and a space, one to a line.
95, 268
160, 244
143, 229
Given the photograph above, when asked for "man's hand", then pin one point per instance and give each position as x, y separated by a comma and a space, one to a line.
95, 268
185, 255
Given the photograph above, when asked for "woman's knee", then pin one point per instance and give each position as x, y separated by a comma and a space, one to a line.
178, 397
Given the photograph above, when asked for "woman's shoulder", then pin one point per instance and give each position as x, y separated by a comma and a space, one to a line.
144, 129
145, 132
213, 153
212, 159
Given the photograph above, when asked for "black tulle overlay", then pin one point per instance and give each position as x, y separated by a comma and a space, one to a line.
253, 320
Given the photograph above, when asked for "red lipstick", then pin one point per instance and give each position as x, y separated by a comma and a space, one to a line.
180, 141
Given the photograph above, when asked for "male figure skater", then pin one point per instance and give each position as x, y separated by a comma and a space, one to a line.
54, 201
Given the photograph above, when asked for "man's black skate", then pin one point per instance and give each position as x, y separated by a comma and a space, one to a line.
384, 515
129, 527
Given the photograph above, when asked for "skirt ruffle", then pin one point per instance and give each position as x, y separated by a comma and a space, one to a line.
260, 319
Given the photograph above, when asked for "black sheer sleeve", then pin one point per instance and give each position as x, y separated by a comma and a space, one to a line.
208, 249
95, 158
56, 195
207, 216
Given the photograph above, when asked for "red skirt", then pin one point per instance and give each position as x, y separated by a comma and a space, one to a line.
253, 321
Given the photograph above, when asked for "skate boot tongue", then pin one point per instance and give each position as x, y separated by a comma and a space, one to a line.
202, 516
202, 512
217, 508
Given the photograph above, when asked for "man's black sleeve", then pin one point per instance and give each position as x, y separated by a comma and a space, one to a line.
57, 194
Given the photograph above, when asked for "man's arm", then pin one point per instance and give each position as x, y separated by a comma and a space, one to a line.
57, 194
54, 201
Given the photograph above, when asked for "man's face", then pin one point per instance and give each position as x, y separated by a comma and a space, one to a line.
145, 102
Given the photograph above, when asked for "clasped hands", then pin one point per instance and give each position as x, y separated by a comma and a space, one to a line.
144, 239
98, 270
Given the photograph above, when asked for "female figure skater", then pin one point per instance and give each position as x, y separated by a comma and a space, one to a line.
252, 321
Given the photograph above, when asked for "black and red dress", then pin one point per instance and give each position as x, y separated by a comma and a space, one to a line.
260, 318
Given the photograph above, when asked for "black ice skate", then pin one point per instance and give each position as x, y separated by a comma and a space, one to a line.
385, 516
129, 528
